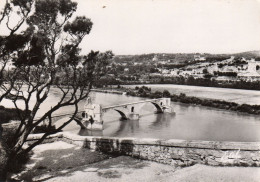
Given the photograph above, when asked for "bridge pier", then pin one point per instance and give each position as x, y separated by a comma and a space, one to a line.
166, 105
134, 116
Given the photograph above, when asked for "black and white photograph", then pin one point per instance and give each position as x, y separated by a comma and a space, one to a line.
130, 90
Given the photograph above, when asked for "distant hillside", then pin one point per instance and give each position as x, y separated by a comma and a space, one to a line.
182, 58
172, 58
249, 54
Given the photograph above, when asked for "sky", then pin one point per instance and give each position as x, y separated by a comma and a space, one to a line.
171, 26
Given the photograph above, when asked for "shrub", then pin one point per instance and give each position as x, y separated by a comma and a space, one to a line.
182, 95
166, 93
157, 94
144, 91
8, 114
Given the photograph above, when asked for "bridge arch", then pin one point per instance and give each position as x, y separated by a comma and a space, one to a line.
159, 109
123, 116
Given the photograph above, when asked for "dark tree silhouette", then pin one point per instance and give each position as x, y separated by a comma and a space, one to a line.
44, 54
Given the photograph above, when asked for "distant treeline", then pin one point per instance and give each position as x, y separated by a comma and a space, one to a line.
220, 104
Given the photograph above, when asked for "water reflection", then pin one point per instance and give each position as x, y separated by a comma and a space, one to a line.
127, 126
162, 120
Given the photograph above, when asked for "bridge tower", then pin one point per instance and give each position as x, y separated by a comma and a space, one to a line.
165, 104
92, 117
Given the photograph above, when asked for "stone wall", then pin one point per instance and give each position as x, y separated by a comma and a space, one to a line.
173, 152
180, 152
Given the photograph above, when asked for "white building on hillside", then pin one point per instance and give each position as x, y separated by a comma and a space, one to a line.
251, 73
155, 58
252, 64
199, 58
213, 68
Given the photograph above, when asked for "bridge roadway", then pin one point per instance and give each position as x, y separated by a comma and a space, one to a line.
127, 104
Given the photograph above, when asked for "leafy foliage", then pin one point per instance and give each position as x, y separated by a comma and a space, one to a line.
79, 27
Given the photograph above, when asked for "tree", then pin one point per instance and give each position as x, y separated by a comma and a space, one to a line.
205, 71
46, 53
11, 43
166, 93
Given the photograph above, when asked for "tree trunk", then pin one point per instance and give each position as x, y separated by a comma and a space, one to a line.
22, 139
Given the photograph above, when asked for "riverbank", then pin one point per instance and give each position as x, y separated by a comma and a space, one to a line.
147, 92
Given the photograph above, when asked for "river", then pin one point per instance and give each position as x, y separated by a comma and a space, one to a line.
189, 122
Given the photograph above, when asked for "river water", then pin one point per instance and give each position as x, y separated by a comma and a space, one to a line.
188, 122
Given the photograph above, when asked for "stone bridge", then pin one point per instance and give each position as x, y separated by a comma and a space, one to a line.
93, 115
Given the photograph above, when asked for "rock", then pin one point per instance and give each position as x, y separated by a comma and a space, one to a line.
175, 156
255, 158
